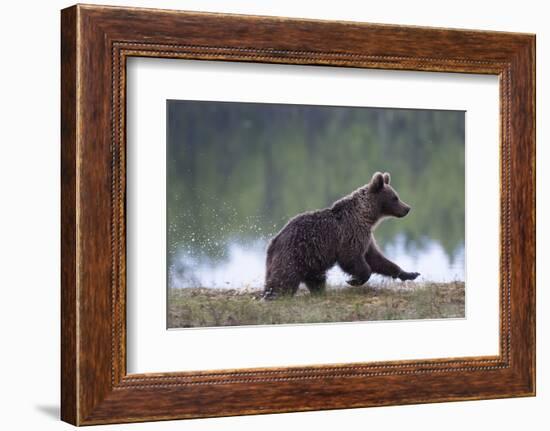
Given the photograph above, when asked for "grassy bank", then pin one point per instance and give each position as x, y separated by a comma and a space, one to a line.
203, 307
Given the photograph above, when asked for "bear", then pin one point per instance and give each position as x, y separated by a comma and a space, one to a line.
313, 242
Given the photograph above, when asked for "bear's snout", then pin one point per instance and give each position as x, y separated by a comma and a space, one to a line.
406, 210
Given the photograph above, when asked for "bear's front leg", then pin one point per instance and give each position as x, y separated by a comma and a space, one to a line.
380, 264
404, 275
358, 268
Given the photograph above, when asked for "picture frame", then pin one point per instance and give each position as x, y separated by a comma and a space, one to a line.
96, 42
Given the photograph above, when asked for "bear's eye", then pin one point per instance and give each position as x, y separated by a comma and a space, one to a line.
395, 198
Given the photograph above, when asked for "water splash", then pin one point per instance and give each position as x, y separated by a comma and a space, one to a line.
241, 264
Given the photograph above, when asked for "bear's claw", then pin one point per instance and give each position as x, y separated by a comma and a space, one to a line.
404, 275
355, 282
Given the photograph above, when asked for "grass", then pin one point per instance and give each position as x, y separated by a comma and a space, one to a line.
204, 307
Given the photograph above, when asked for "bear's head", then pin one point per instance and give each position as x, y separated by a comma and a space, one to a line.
383, 199
372, 202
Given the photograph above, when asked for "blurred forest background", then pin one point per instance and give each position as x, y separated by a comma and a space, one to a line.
236, 172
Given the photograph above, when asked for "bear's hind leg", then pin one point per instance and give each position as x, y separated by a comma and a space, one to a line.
316, 283
281, 287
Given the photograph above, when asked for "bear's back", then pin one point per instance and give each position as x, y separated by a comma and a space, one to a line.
305, 233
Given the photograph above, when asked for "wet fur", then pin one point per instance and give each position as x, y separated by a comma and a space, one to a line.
313, 242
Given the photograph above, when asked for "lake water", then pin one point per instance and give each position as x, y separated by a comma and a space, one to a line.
242, 265
237, 172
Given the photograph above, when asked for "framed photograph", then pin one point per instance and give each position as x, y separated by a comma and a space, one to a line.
265, 214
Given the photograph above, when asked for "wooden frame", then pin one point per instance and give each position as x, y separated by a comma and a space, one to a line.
95, 43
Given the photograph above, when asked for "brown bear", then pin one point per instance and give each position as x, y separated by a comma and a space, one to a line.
312, 242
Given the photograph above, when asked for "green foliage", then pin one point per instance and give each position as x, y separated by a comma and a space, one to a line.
242, 170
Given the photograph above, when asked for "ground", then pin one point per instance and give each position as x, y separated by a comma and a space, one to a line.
393, 300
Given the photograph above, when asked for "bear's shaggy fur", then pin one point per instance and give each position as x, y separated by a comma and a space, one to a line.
312, 242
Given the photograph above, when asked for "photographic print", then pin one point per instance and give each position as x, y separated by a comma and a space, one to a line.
295, 214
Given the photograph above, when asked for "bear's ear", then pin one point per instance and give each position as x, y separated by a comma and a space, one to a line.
387, 177
376, 183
